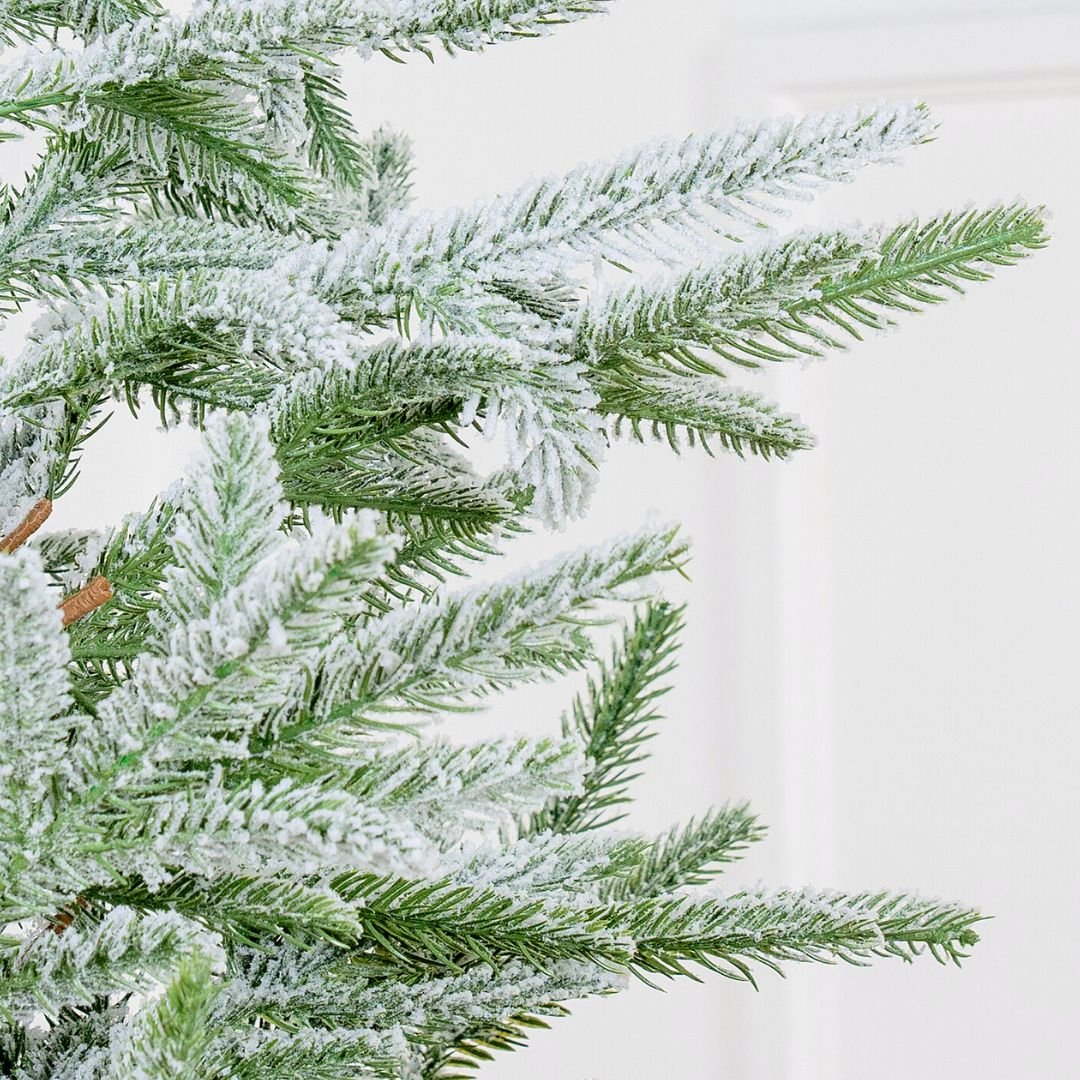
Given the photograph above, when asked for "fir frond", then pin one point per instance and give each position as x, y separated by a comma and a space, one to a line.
470, 25
66, 554
415, 478
202, 150
111, 252
298, 985
614, 719
27, 20
298, 830
450, 654
538, 399
221, 674
391, 186
166, 566
917, 264
912, 266
571, 869
441, 926
183, 338
123, 951
662, 324
34, 691
134, 560
770, 929
334, 150
690, 854
449, 789
697, 409
78, 185
76, 1042
247, 910
473, 1047
169, 1039
34, 450
249, 38
651, 201
432, 551
264, 1053
228, 520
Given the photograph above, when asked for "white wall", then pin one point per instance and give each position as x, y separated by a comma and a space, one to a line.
882, 633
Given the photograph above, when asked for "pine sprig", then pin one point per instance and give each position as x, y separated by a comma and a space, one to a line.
390, 189
255, 38
614, 721
74, 967
433, 551
27, 20
197, 139
454, 653
690, 854
490, 780
751, 928
651, 201
79, 185
469, 25
914, 265
442, 927
699, 410
246, 910
106, 644
34, 694
335, 151
473, 1048
169, 1039
661, 325
112, 252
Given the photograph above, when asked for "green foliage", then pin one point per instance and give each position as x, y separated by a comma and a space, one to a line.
615, 721
675, 409
201, 145
78, 185
230, 849
245, 910
30, 19
691, 854
68, 963
913, 265
335, 150
663, 324
441, 926
479, 640
134, 560
169, 1038
391, 156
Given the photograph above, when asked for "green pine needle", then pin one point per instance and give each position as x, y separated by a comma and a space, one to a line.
615, 719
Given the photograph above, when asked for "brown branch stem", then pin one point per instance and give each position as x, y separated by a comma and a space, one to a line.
90, 597
26, 528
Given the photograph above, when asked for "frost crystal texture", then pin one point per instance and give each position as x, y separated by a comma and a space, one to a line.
231, 845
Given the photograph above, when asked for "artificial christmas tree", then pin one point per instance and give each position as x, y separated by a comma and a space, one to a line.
228, 848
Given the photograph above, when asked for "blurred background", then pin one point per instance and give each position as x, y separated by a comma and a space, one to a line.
882, 643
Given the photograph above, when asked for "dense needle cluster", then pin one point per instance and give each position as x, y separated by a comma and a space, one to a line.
229, 848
